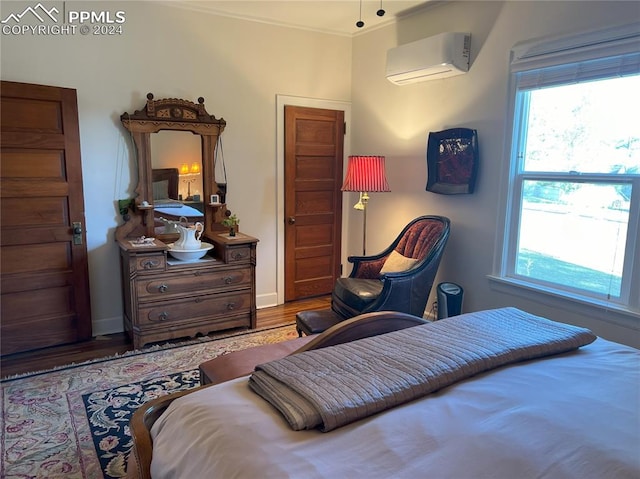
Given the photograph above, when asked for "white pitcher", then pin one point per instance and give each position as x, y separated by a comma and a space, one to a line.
189, 236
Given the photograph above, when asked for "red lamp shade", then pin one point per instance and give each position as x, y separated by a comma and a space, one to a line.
366, 174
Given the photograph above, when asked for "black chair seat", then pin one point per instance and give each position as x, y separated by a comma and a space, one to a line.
357, 293
316, 321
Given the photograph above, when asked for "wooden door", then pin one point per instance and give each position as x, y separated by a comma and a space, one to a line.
44, 274
314, 141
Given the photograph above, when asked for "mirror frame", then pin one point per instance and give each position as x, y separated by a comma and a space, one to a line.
177, 115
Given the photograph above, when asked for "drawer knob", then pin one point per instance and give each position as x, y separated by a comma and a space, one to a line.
163, 316
163, 288
231, 306
237, 255
228, 280
150, 263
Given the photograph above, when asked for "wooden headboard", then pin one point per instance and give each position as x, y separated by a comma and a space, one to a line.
172, 176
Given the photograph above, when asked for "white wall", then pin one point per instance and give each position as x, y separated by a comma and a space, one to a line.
238, 67
396, 124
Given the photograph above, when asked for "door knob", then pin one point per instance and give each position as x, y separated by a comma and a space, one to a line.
77, 232
292, 220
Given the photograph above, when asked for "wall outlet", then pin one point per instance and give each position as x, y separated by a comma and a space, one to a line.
432, 314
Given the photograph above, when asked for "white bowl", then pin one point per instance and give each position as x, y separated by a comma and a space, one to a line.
190, 254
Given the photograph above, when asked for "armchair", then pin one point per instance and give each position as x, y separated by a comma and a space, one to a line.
399, 278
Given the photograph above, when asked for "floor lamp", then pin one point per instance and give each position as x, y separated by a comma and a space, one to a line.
191, 173
365, 174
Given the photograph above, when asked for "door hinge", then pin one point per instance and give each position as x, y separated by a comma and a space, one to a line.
345, 128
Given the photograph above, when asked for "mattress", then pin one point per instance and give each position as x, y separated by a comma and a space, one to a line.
574, 415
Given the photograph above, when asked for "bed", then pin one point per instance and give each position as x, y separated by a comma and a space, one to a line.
550, 406
166, 200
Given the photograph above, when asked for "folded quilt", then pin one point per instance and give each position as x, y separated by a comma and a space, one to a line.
331, 387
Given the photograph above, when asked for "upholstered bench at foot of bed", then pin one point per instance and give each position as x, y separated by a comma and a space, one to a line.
316, 321
241, 363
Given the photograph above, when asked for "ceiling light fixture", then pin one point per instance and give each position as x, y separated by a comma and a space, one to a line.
360, 23
381, 11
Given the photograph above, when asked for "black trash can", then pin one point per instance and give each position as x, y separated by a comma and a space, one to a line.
449, 299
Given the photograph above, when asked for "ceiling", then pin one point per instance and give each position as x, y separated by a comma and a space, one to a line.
337, 17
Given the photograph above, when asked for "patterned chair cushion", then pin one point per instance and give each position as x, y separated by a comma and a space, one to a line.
396, 262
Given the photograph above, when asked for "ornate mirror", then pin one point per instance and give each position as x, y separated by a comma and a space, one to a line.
177, 153
175, 142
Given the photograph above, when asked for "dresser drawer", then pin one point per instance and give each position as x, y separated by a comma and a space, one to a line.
150, 262
166, 312
237, 254
192, 282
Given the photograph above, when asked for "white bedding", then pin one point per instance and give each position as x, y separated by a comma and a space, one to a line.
179, 210
573, 415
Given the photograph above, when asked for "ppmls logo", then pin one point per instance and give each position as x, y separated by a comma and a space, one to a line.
36, 11
37, 20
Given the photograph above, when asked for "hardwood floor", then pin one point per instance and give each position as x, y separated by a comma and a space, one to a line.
103, 346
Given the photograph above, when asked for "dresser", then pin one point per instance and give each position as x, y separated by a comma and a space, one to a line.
167, 299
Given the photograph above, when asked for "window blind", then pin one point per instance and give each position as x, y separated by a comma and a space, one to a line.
621, 65
580, 57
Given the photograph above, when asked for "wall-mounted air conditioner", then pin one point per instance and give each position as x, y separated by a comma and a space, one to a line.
440, 56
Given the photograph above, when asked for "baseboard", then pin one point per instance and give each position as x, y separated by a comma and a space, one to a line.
266, 300
104, 326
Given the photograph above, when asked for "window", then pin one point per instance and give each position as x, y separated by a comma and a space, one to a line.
574, 183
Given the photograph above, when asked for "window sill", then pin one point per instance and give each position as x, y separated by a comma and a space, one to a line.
599, 310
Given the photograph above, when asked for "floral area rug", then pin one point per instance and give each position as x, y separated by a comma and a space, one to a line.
73, 422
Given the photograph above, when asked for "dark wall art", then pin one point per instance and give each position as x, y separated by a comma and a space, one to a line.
452, 161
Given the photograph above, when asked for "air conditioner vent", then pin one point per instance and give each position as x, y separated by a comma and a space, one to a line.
440, 56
